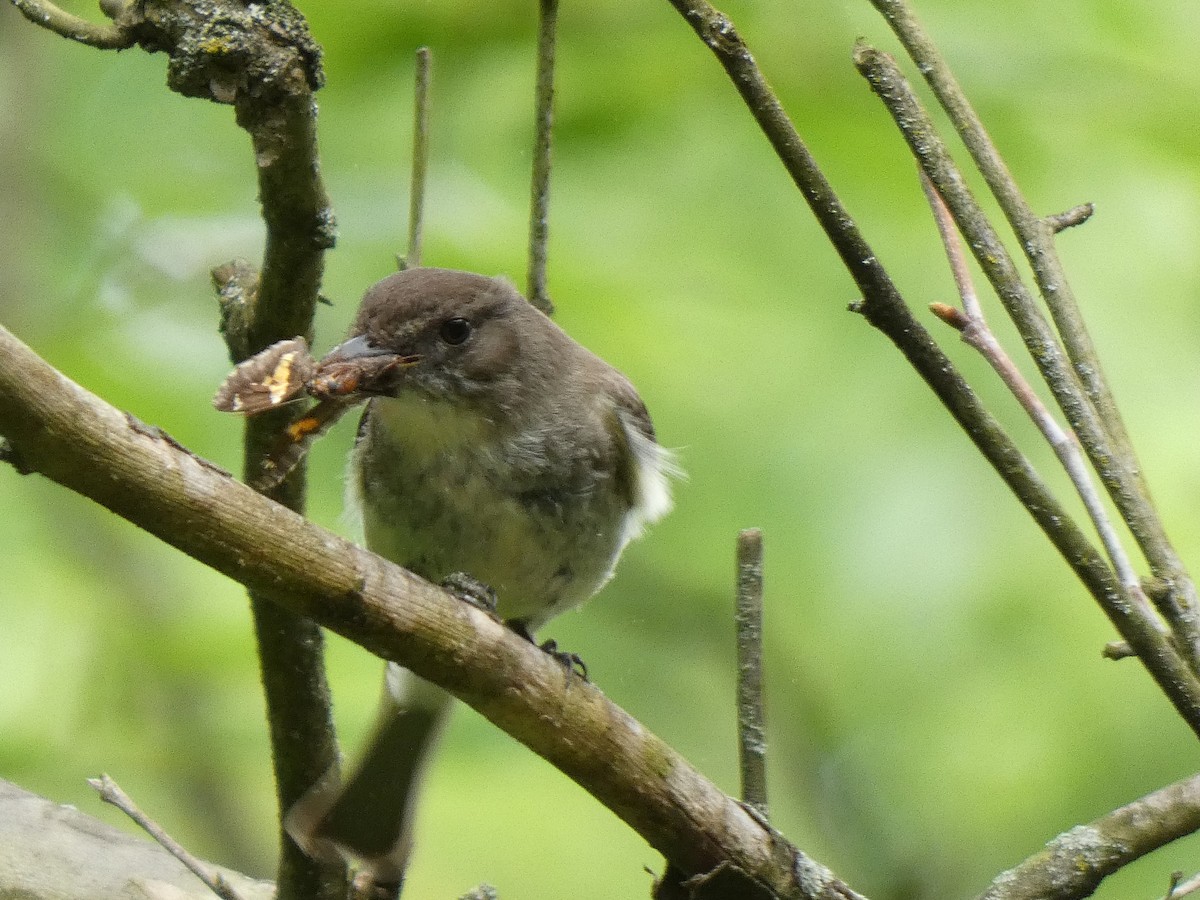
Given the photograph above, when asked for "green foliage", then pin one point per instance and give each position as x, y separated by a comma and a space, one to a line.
938, 707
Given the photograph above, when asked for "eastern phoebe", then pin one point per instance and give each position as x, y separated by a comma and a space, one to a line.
493, 446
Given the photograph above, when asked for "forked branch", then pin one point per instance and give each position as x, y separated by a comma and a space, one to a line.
1112, 461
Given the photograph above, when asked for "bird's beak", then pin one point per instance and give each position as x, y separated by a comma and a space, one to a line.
355, 348
356, 367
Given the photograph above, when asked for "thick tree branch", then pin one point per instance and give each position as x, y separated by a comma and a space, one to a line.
61, 431
1074, 863
260, 59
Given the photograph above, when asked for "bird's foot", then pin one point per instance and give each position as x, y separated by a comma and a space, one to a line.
471, 590
569, 661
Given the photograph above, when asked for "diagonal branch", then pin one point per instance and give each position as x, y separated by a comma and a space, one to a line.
1035, 233
1074, 863
1116, 470
1036, 236
972, 325
57, 429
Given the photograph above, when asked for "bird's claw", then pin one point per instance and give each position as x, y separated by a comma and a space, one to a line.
471, 590
569, 661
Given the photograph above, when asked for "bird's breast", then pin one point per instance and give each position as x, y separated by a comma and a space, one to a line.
443, 491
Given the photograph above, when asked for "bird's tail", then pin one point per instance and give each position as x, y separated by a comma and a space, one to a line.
367, 819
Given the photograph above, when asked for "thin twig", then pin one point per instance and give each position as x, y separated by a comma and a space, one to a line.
420, 161
539, 200
752, 736
102, 35
1180, 888
914, 123
1114, 457
1035, 235
110, 792
1116, 650
1070, 218
976, 332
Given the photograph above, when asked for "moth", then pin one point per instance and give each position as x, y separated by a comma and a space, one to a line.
286, 372
281, 374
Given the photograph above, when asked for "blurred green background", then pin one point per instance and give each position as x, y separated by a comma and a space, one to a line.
938, 707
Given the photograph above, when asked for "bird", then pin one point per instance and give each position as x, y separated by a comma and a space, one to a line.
498, 456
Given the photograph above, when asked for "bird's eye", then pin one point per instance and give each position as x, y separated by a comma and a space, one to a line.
456, 330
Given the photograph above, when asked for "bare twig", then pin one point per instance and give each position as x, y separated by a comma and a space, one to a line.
51, 850
973, 327
752, 736
1116, 650
1073, 375
102, 35
1035, 234
1074, 863
1180, 888
884, 308
110, 792
1070, 218
539, 202
1106, 458
420, 161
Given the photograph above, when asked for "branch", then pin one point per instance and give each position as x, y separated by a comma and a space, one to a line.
972, 325
1116, 467
1075, 862
539, 200
102, 35
110, 792
718, 33
1070, 218
420, 160
1036, 236
54, 852
59, 430
752, 731
884, 308
261, 59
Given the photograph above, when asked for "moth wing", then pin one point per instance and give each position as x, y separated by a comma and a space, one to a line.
267, 379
